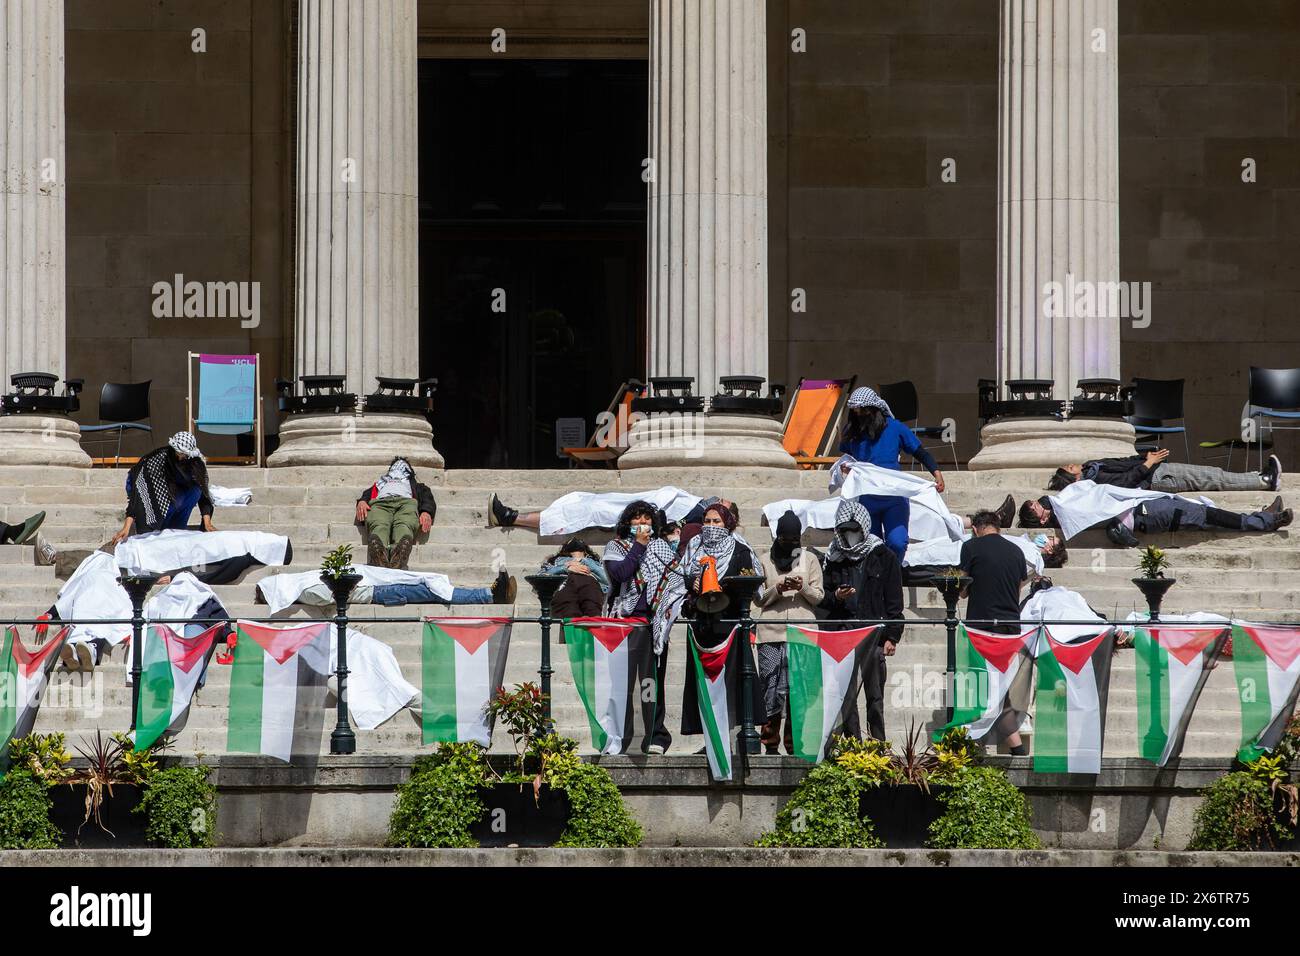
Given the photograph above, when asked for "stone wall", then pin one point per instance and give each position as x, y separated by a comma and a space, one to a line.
1203, 85
897, 265
176, 164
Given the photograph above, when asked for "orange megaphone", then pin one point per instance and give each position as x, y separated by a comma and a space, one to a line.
712, 599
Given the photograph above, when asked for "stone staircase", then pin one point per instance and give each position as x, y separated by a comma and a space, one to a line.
1255, 576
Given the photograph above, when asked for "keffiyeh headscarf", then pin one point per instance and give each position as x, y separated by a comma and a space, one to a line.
865, 397
665, 588
623, 603
184, 445
851, 512
396, 482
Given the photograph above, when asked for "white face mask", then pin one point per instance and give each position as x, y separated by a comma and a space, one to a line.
851, 538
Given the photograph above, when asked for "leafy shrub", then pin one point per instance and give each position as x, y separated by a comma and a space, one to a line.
983, 811
440, 802
1238, 812
598, 816
180, 806
45, 756
823, 812
25, 806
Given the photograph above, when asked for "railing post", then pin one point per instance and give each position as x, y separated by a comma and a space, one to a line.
343, 740
546, 585
137, 587
950, 588
743, 587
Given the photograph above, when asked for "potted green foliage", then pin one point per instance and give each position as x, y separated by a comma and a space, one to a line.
37, 765
337, 572
1152, 581
106, 791
1255, 807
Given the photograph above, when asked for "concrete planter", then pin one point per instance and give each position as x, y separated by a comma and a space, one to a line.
515, 818
127, 828
902, 815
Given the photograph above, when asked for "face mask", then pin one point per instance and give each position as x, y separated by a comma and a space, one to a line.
1040, 540
852, 538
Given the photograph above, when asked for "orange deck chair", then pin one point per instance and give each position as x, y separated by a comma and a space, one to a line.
621, 409
812, 422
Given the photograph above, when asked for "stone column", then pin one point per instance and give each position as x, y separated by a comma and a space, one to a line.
707, 229
357, 298
32, 225
1058, 220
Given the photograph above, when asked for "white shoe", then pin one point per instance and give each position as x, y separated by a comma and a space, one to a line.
45, 552
87, 658
68, 658
655, 749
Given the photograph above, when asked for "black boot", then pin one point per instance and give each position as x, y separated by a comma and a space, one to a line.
504, 589
1120, 535
499, 516
1007, 513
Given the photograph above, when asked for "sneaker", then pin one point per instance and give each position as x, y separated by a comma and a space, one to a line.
504, 589
45, 552
1007, 513
656, 749
1272, 474
1120, 535
28, 528
499, 516
68, 657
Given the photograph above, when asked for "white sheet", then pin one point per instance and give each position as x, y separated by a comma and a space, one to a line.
1086, 503
283, 590
580, 510
376, 688
928, 517
158, 552
93, 592
1062, 604
229, 497
944, 551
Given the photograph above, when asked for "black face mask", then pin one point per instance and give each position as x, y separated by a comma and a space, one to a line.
875, 423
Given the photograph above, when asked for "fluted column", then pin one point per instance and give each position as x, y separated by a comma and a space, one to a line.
32, 230
1058, 218
707, 228
356, 284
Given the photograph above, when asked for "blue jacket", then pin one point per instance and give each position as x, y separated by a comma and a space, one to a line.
894, 438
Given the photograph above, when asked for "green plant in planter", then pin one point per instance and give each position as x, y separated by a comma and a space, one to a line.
871, 762
25, 807
181, 807
45, 756
523, 712
1237, 812
440, 802
823, 811
954, 752
338, 562
598, 817
983, 810
1153, 562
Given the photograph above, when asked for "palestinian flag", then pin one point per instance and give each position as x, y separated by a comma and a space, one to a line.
825, 677
1173, 664
23, 676
613, 669
172, 666
708, 668
464, 665
992, 683
1266, 661
1070, 714
277, 689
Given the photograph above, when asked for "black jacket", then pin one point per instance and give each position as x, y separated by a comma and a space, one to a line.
1129, 472
878, 579
424, 502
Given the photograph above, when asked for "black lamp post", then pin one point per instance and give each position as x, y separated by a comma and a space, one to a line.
546, 585
137, 588
950, 587
742, 588
342, 740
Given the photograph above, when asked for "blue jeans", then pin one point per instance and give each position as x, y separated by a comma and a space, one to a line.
395, 595
889, 515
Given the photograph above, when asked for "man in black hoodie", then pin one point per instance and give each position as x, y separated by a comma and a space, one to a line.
392, 509
1153, 472
863, 580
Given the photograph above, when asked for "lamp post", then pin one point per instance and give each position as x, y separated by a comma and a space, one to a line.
137, 588
546, 585
742, 588
342, 740
950, 587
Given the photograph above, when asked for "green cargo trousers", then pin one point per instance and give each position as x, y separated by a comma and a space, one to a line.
392, 519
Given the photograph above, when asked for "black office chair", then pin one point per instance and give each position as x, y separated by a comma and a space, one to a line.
902, 401
122, 405
1274, 395
1157, 401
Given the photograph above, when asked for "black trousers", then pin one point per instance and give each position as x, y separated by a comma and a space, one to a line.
659, 732
875, 670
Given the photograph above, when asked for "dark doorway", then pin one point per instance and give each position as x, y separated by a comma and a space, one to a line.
532, 249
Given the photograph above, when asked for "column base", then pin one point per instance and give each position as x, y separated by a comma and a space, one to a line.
696, 441
41, 440
1048, 443
372, 440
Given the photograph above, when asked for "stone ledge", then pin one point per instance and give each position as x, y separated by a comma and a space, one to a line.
644, 856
